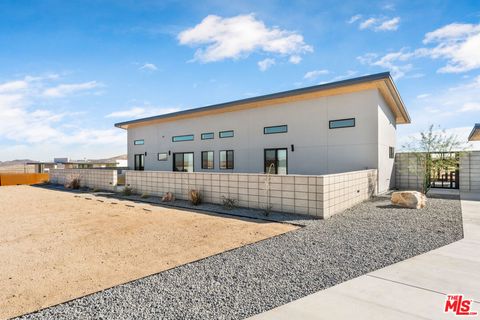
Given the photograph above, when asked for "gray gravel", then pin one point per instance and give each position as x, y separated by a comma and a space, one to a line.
270, 273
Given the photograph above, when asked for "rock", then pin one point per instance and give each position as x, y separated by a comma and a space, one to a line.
409, 199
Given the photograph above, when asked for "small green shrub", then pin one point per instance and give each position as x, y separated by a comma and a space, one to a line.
127, 191
144, 196
228, 203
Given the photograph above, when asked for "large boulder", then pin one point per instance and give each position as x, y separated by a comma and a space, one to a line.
409, 199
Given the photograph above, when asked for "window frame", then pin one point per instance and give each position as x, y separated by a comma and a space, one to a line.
270, 127
391, 152
184, 135
342, 127
212, 133
162, 153
225, 131
226, 159
276, 159
183, 160
213, 159
137, 142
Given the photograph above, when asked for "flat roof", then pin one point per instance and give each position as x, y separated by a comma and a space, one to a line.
381, 81
475, 134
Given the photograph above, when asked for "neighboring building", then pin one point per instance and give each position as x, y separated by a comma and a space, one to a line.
64, 163
475, 134
330, 128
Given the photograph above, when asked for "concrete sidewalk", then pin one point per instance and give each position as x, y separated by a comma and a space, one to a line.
412, 289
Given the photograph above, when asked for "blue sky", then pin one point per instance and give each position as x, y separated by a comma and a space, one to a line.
69, 70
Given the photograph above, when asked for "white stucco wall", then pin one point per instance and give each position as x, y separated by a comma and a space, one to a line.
387, 137
317, 149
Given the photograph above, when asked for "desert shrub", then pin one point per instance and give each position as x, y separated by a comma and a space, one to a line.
95, 190
127, 191
195, 197
144, 196
228, 203
168, 197
73, 182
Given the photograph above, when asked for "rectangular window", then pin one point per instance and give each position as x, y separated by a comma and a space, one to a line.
275, 129
342, 123
276, 161
226, 134
391, 152
139, 142
208, 136
183, 162
188, 137
162, 156
226, 159
207, 160
139, 162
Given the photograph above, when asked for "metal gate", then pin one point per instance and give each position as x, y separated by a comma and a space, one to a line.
444, 170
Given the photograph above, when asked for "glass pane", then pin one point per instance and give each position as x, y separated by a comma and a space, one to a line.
162, 156
229, 159
282, 161
178, 160
138, 142
188, 137
344, 123
188, 162
270, 157
276, 129
206, 136
210, 160
226, 134
223, 159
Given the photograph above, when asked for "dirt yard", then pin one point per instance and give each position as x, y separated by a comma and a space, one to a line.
56, 246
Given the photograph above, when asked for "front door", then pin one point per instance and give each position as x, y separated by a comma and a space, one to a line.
276, 161
139, 163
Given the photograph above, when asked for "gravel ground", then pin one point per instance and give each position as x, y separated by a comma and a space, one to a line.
270, 273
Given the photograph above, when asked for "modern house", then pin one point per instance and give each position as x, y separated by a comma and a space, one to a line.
336, 127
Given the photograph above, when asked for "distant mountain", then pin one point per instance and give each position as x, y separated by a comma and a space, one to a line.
18, 162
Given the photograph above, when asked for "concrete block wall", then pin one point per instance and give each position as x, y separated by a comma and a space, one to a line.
92, 178
319, 196
344, 190
470, 171
409, 171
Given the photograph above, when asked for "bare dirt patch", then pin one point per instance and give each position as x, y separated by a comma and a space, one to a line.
56, 246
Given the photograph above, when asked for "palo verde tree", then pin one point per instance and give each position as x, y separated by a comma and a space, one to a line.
434, 150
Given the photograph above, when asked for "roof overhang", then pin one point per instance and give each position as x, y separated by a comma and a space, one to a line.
383, 82
475, 134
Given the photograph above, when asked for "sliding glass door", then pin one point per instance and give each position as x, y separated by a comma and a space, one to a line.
276, 161
183, 162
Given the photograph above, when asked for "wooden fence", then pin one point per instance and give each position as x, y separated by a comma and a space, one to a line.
12, 179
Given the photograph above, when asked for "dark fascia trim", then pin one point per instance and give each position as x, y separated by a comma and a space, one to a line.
331, 85
475, 128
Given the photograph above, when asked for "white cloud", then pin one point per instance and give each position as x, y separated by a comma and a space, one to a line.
458, 44
377, 24
140, 112
423, 96
346, 75
470, 106
389, 25
264, 64
369, 23
149, 67
62, 90
12, 86
295, 59
354, 18
311, 75
40, 133
390, 62
239, 36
